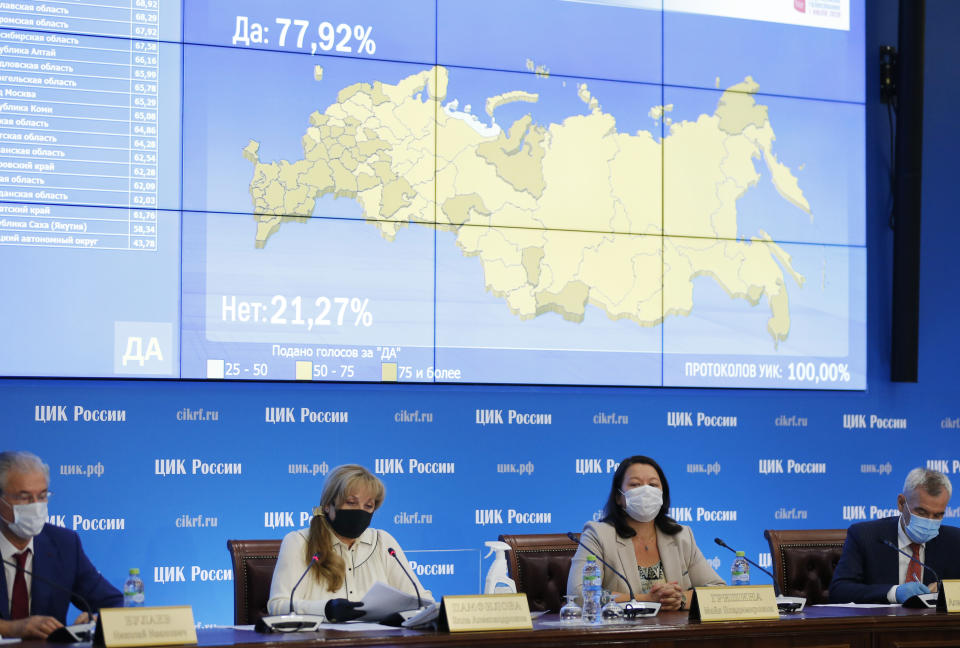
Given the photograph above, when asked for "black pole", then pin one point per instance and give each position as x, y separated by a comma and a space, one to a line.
907, 188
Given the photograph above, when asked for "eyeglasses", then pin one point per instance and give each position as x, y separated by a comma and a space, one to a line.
27, 498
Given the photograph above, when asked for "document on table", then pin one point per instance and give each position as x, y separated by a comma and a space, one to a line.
360, 626
382, 600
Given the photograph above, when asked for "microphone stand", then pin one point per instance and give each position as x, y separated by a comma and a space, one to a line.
291, 622
784, 603
66, 634
630, 610
920, 600
776, 588
416, 589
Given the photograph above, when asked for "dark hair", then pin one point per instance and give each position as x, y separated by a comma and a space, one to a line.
615, 514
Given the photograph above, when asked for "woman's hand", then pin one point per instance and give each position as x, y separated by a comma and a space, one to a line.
669, 595
339, 610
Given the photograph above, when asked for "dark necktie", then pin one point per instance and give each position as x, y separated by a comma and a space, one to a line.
20, 605
913, 570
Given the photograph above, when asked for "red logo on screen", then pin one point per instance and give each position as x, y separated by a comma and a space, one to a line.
800, 5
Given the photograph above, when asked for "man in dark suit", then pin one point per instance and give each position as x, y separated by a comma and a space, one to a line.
869, 572
30, 606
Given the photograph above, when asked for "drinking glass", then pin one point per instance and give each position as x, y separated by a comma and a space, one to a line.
571, 612
611, 612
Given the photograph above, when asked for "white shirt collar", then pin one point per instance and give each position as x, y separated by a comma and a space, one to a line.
7, 550
368, 537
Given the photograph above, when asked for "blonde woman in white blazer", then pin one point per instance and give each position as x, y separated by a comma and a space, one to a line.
345, 554
658, 556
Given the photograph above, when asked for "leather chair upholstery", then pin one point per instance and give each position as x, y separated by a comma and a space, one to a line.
804, 560
539, 564
253, 563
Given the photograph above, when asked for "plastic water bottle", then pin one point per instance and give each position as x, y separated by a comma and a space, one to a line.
591, 590
740, 570
133, 589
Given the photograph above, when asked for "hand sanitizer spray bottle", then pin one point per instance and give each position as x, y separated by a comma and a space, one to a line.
497, 580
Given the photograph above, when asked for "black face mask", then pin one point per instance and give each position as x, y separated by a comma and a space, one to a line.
350, 523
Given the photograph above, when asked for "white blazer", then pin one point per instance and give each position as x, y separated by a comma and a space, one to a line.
366, 562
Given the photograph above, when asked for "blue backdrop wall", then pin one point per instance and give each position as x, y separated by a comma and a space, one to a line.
176, 469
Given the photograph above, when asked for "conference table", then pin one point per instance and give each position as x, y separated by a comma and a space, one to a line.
825, 626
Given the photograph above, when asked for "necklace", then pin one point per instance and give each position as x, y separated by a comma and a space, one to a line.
646, 543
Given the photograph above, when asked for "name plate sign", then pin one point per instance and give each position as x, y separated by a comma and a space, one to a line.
738, 603
468, 613
950, 596
146, 626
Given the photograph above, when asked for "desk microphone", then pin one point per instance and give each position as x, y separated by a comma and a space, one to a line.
60, 634
784, 603
416, 589
723, 544
910, 556
290, 622
919, 562
629, 609
314, 558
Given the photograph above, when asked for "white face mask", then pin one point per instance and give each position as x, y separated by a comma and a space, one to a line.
643, 503
28, 519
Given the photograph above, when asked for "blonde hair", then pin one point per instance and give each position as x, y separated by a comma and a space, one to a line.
339, 484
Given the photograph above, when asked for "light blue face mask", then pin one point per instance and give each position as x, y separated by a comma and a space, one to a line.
921, 529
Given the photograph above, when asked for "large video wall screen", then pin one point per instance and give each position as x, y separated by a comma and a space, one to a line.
547, 192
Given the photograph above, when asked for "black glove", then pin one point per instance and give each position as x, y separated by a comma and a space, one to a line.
340, 609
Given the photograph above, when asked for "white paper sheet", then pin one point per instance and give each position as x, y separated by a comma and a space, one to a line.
382, 600
360, 626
